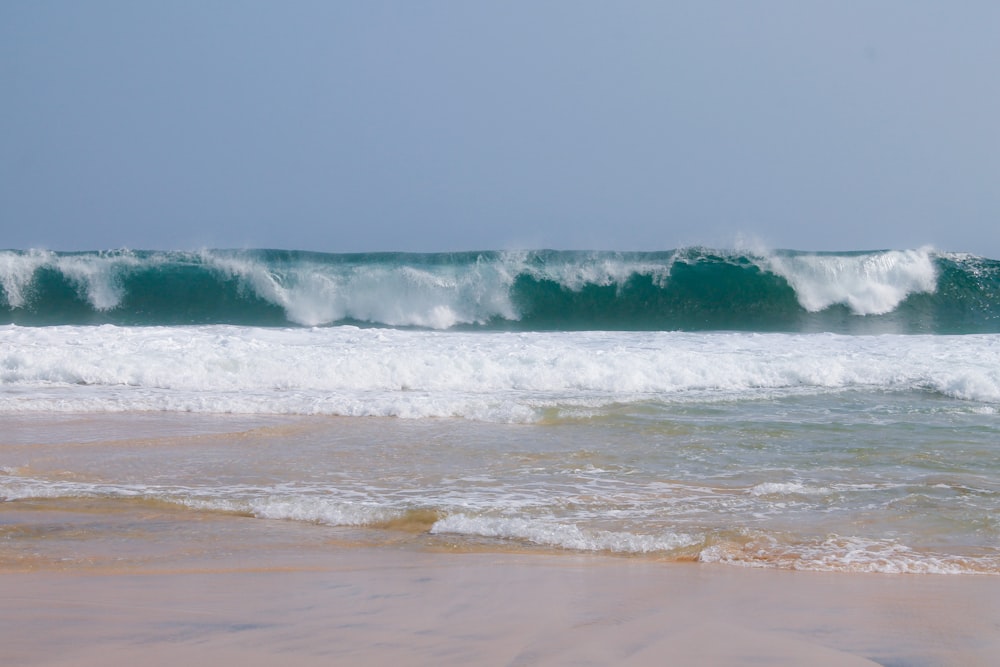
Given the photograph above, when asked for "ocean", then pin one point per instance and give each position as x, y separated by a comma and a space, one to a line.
780, 409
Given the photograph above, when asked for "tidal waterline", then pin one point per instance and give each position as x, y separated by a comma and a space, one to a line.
855, 482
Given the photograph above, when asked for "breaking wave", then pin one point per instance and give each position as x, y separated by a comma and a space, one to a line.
897, 291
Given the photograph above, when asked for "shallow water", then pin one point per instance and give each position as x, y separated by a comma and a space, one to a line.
826, 480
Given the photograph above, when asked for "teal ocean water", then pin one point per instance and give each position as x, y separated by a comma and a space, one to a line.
820, 411
695, 289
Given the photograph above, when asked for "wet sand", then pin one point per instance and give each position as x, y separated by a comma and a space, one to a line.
396, 605
117, 581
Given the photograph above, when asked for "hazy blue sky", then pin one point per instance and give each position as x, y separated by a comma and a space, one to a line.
421, 125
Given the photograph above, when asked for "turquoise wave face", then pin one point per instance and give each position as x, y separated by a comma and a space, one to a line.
898, 291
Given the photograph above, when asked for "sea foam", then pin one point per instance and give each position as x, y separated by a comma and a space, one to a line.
561, 535
868, 284
487, 376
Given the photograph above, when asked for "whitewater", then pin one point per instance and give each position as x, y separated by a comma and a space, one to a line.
798, 410
492, 376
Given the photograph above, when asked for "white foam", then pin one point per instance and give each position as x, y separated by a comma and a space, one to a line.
506, 516
19, 488
17, 270
847, 554
489, 376
310, 509
564, 536
397, 295
260, 502
575, 271
97, 277
305, 508
785, 488
436, 296
868, 284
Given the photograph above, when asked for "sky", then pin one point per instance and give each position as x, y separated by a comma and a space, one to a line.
347, 126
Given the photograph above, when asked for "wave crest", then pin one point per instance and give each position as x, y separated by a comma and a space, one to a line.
868, 284
897, 291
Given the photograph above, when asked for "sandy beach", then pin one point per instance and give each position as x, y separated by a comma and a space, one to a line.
347, 603
499, 334
119, 579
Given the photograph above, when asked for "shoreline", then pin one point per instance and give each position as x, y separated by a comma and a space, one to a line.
109, 580
395, 605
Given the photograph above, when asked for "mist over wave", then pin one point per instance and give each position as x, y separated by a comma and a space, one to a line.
899, 291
